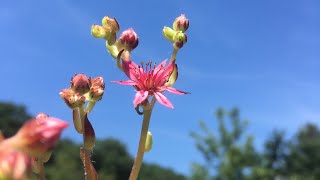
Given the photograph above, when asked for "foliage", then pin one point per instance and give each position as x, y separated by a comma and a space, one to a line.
229, 157
11, 118
224, 153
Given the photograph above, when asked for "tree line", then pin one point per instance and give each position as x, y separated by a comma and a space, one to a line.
228, 151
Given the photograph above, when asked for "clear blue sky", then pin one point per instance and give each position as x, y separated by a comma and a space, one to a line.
260, 56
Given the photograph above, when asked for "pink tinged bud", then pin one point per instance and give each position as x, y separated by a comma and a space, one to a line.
98, 81
73, 100
14, 165
45, 156
38, 136
80, 83
129, 39
97, 89
89, 137
181, 23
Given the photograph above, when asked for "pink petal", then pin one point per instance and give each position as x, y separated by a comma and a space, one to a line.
175, 91
139, 97
164, 74
163, 99
160, 65
128, 82
130, 68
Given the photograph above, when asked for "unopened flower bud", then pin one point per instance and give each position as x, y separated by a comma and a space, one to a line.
97, 89
89, 137
179, 39
111, 23
128, 40
99, 31
181, 23
96, 93
73, 100
80, 83
168, 33
149, 142
98, 81
14, 165
38, 136
173, 77
45, 156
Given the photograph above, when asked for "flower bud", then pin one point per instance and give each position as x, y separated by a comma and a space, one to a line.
73, 100
179, 39
181, 23
168, 33
98, 81
149, 142
38, 136
14, 165
80, 83
128, 40
45, 156
111, 23
99, 31
96, 93
97, 89
173, 77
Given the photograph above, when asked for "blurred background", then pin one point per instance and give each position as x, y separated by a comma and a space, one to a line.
252, 68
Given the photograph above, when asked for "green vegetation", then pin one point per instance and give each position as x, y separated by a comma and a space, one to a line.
230, 156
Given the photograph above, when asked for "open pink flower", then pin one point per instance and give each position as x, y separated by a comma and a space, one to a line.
149, 80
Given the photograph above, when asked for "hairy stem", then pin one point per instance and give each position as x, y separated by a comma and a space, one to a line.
147, 110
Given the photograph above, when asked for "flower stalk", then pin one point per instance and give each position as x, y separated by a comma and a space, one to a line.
147, 111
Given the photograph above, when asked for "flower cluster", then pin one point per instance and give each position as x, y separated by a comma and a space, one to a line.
83, 89
177, 34
30, 147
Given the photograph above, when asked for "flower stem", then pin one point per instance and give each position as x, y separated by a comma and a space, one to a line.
174, 54
147, 110
42, 174
90, 106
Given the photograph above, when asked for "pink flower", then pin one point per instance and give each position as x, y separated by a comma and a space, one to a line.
37, 136
149, 80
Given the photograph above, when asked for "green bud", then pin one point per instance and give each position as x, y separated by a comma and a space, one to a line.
173, 77
99, 31
113, 50
149, 142
179, 39
111, 23
168, 33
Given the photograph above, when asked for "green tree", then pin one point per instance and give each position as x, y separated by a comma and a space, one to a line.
303, 160
12, 117
227, 154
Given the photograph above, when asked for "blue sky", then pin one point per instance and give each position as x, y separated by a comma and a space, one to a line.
259, 56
